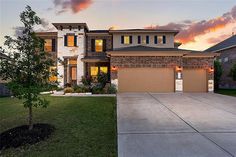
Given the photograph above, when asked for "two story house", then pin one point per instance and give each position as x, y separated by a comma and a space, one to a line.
136, 60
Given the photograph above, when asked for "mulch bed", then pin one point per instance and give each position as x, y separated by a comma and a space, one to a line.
21, 135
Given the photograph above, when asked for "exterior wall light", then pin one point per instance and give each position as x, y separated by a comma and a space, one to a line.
211, 70
114, 68
179, 69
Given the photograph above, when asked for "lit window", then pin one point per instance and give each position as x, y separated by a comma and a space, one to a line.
70, 40
53, 76
126, 40
48, 45
73, 73
72, 61
160, 39
104, 69
143, 40
93, 71
99, 45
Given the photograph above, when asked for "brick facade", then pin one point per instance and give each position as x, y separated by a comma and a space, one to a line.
159, 62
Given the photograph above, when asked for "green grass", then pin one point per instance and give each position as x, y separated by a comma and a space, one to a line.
230, 92
85, 126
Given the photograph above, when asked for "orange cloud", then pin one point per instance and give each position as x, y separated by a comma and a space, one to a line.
74, 5
189, 30
218, 39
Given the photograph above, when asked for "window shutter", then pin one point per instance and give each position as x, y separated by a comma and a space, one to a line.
147, 39
130, 39
155, 40
75, 40
139, 39
164, 39
93, 45
65, 40
104, 45
122, 39
53, 45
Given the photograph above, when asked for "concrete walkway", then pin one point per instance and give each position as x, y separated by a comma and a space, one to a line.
176, 125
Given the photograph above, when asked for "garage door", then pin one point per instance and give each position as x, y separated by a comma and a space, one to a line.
194, 80
146, 80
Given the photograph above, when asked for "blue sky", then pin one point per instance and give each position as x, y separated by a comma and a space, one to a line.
102, 14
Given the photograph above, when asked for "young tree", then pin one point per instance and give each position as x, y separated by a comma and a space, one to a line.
27, 71
232, 72
217, 74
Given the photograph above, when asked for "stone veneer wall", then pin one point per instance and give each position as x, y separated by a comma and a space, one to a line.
159, 62
89, 43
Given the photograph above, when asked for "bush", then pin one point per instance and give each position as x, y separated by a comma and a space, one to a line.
68, 90
111, 89
82, 89
232, 73
87, 80
102, 79
98, 89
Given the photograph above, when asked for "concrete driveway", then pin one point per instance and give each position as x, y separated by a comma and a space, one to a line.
176, 125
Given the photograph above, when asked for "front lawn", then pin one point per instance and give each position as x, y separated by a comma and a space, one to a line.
85, 126
230, 92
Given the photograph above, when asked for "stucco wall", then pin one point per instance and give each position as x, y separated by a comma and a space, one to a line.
169, 40
64, 51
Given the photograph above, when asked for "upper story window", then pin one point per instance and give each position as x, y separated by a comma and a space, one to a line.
70, 40
49, 45
98, 45
126, 39
147, 39
155, 39
139, 39
161, 39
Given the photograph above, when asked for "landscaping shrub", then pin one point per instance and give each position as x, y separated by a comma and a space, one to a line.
111, 89
87, 80
68, 90
98, 89
102, 79
82, 89
232, 72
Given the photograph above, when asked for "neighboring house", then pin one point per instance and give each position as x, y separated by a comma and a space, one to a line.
227, 51
3, 89
136, 60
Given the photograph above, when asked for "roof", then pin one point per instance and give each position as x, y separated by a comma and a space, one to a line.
147, 48
72, 25
227, 43
153, 51
144, 31
98, 31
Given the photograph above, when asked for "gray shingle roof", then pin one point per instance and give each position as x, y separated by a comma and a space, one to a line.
146, 48
223, 45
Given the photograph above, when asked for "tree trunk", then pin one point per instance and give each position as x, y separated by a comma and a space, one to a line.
30, 118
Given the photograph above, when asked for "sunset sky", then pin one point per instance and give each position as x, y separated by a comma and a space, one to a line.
202, 23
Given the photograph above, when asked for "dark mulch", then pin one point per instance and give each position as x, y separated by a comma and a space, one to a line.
20, 135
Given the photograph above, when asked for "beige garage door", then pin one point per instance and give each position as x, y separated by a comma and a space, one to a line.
146, 80
194, 80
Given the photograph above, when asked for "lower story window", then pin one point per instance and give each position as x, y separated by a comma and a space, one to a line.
104, 69
93, 71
